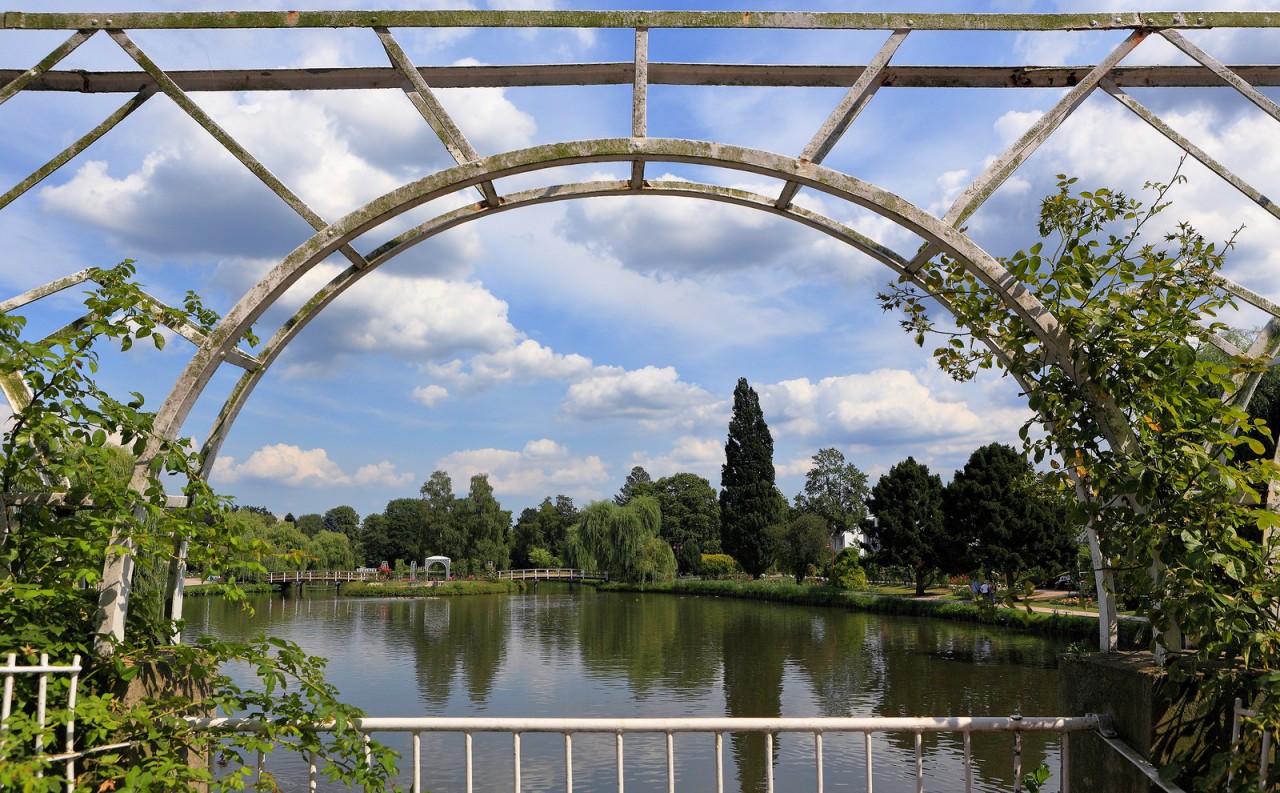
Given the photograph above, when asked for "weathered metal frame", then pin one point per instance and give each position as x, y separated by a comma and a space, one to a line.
479, 173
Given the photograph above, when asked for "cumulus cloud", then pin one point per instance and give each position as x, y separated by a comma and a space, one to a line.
527, 360
293, 466
409, 318
542, 466
651, 394
879, 408
703, 456
188, 194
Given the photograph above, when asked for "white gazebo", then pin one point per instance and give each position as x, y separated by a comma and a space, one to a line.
443, 560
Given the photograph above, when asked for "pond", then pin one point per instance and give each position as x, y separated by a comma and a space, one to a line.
562, 652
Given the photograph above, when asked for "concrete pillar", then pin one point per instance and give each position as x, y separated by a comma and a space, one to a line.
160, 678
1157, 719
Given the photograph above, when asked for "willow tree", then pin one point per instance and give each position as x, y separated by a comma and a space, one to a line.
1138, 429
622, 540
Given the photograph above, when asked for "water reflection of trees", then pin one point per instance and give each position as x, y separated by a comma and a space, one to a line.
659, 644
467, 634
946, 669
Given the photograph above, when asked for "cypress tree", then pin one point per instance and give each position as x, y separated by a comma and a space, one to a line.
750, 504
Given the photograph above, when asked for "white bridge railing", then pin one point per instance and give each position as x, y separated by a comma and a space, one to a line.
304, 576
550, 574
717, 728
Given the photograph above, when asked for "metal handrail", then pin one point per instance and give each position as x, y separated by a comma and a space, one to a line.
718, 727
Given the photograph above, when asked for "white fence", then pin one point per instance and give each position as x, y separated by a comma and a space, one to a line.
1239, 714
10, 670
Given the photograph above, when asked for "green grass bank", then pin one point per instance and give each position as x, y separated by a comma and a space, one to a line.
1133, 634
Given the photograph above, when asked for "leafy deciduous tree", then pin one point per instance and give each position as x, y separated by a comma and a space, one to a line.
484, 524
310, 524
1166, 473
835, 491
690, 511
68, 435
441, 533
805, 542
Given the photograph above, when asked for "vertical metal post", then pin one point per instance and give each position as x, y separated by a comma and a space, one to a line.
768, 768
71, 722
515, 758
671, 763
470, 757
968, 762
817, 759
1265, 763
1017, 762
618, 750
919, 762
42, 691
1065, 772
568, 762
866, 740
417, 762
719, 762
6, 707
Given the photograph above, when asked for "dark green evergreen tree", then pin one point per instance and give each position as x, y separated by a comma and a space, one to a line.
638, 483
1005, 519
750, 505
908, 529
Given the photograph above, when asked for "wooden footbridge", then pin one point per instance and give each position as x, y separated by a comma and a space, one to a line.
339, 577
552, 574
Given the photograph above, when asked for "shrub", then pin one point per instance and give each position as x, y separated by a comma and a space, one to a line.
718, 565
848, 572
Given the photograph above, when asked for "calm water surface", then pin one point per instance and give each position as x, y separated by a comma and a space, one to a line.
557, 652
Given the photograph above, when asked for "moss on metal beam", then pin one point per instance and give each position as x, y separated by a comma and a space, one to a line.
632, 19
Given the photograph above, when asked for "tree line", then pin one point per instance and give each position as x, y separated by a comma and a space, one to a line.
997, 517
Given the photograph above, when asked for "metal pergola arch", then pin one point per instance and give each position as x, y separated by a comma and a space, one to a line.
473, 171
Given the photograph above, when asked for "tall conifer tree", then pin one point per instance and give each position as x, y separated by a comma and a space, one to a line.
750, 504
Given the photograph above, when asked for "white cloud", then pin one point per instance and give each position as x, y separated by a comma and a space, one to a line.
651, 394
703, 456
292, 466
339, 154
541, 467
430, 395
527, 360
880, 408
409, 318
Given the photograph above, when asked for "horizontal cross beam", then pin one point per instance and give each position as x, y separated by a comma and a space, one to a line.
789, 20
623, 73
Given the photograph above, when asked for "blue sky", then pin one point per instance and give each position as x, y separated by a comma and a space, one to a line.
556, 347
